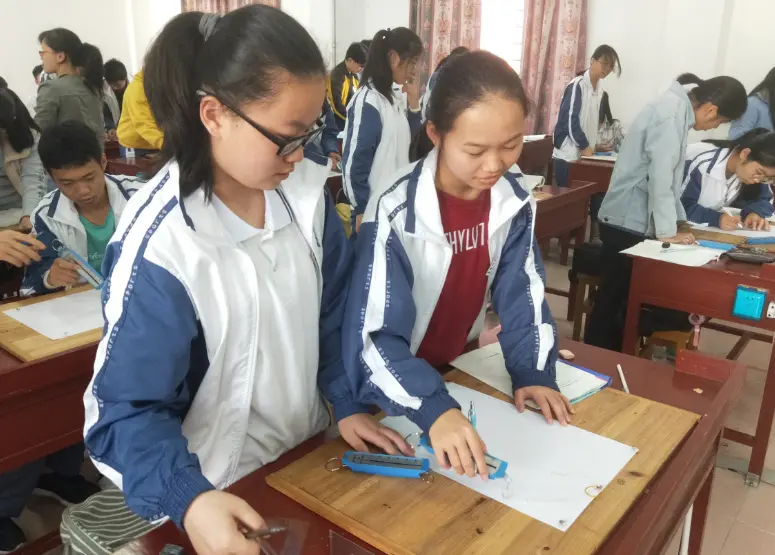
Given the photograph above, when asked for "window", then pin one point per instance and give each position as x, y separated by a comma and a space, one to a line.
503, 24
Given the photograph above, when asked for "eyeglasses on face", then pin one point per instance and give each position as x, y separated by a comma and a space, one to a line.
285, 145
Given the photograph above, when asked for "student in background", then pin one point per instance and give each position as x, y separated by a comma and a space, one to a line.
609, 139
32, 100
760, 111
137, 128
76, 94
381, 119
432, 81
82, 213
116, 76
232, 266
644, 196
22, 178
455, 230
575, 134
92, 57
737, 173
343, 82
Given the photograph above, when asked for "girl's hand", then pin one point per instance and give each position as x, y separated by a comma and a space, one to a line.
358, 429
680, 239
729, 223
548, 400
412, 90
457, 445
756, 222
589, 151
216, 523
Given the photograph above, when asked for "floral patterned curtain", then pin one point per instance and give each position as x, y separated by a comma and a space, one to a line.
443, 25
555, 45
221, 6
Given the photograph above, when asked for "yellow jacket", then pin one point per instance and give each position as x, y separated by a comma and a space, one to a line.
137, 128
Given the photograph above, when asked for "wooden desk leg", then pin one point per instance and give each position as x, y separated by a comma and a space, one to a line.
700, 515
564, 247
763, 427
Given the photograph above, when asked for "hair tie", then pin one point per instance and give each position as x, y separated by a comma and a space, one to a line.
208, 23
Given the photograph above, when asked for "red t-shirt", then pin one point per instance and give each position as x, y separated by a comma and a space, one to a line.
462, 297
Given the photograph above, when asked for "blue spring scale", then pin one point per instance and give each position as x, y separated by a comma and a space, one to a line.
85, 270
395, 466
496, 467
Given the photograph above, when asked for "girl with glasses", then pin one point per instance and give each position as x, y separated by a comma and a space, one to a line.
381, 117
226, 282
733, 173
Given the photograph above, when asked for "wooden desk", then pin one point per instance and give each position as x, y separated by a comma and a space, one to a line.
112, 149
596, 171
536, 158
563, 213
645, 530
708, 291
131, 167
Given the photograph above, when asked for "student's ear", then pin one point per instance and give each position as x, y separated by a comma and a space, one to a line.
712, 110
744, 154
104, 162
211, 113
433, 134
395, 59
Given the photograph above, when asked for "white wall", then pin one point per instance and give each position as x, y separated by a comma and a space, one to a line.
361, 19
318, 18
100, 22
660, 39
145, 18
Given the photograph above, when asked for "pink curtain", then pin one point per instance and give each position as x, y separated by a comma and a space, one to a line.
222, 6
554, 50
443, 25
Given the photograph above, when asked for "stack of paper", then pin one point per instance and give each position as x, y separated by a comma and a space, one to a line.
683, 255
488, 365
602, 157
551, 468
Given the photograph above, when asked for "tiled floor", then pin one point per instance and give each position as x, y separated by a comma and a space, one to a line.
741, 520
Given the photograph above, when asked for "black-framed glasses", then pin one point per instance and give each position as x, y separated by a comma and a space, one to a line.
285, 145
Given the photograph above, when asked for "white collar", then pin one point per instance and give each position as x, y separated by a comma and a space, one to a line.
275, 218
718, 167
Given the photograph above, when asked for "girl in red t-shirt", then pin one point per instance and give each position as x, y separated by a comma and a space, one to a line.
454, 232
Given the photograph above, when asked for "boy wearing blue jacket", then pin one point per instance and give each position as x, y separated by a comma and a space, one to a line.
82, 213
456, 230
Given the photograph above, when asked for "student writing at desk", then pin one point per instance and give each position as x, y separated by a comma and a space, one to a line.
736, 173
82, 213
644, 197
454, 231
231, 269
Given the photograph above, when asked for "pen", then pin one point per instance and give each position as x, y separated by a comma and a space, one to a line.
265, 532
728, 212
621, 377
472, 414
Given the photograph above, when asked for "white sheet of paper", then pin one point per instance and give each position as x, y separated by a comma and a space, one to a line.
62, 317
683, 255
738, 232
533, 181
601, 157
488, 365
550, 466
531, 138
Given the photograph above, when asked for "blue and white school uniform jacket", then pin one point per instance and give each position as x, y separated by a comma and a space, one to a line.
706, 189
168, 407
578, 119
401, 265
56, 220
376, 144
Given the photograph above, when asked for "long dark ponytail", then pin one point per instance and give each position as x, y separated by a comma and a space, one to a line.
82, 56
237, 56
377, 70
16, 121
726, 93
766, 90
463, 81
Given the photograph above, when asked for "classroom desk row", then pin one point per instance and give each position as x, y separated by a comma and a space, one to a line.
647, 527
